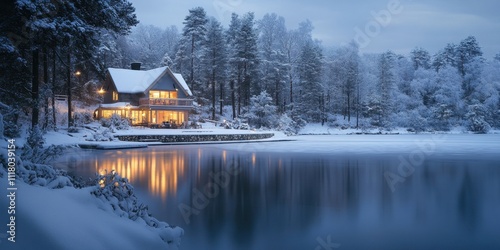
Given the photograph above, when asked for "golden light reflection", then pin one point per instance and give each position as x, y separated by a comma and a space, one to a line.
159, 172
254, 159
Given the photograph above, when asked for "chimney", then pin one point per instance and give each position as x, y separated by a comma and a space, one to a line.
135, 66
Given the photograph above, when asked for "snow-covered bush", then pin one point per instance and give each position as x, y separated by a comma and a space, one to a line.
441, 117
82, 118
416, 122
236, 124
43, 175
374, 111
119, 194
102, 134
262, 112
288, 125
116, 122
35, 151
475, 119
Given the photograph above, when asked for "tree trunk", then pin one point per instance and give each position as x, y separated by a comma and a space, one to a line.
45, 82
233, 99
192, 66
213, 99
239, 92
357, 109
68, 82
34, 88
54, 89
349, 107
221, 98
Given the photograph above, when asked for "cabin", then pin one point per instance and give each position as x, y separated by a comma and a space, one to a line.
146, 97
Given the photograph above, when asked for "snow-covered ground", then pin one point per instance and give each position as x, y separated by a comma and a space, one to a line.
72, 218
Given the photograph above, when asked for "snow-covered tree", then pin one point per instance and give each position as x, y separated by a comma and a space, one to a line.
311, 95
193, 38
214, 59
445, 57
147, 46
166, 61
273, 64
345, 75
476, 122
247, 56
420, 58
386, 85
467, 51
262, 112
234, 72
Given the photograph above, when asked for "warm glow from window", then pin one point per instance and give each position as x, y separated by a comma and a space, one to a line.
156, 94
109, 113
168, 116
115, 96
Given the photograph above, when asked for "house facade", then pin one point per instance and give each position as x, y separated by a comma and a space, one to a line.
146, 97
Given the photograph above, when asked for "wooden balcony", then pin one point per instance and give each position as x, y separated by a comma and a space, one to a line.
165, 102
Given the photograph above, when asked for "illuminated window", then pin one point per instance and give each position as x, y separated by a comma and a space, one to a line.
155, 94
109, 113
115, 96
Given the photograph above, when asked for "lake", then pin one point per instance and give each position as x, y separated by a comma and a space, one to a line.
392, 193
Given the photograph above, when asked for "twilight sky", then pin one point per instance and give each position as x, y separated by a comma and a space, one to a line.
377, 25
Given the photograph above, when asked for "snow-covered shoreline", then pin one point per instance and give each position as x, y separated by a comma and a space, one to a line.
70, 218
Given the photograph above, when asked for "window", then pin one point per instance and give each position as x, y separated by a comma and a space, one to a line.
155, 94
115, 96
109, 113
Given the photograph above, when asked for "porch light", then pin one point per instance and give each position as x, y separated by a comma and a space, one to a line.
101, 91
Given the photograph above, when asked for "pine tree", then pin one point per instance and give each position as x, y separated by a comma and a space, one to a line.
234, 73
214, 60
386, 85
311, 96
467, 51
193, 36
445, 57
247, 57
273, 64
420, 58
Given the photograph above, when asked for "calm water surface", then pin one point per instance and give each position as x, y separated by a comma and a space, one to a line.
235, 200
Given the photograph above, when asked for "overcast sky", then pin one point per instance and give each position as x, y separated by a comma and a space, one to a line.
377, 25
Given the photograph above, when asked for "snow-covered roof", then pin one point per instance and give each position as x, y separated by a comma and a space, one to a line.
137, 81
183, 83
118, 105
134, 81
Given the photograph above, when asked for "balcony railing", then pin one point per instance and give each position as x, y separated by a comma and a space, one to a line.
165, 102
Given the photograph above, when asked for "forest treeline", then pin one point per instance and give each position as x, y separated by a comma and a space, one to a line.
258, 71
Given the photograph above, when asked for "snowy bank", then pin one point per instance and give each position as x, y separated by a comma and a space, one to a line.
72, 218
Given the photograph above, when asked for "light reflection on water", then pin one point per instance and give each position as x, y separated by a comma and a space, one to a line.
287, 201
